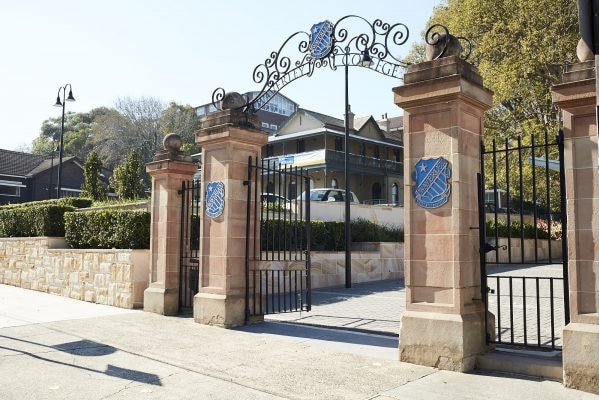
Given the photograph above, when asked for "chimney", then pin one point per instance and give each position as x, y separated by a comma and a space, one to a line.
384, 123
350, 117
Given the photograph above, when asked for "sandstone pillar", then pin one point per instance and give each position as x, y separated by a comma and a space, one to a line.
168, 171
576, 98
228, 138
444, 103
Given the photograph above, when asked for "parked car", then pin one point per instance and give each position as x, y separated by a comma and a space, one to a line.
329, 194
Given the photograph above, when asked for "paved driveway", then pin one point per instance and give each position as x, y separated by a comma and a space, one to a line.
370, 307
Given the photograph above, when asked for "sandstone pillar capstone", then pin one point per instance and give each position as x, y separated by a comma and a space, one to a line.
444, 102
575, 96
168, 171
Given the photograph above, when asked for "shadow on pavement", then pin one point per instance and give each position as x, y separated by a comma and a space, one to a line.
321, 333
86, 348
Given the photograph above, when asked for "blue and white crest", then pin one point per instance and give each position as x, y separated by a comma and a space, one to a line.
432, 182
321, 41
215, 199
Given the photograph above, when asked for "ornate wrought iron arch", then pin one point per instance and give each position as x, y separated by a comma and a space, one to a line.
331, 45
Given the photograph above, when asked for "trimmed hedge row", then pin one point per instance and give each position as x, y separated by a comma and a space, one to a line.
76, 202
515, 229
325, 236
37, 220
103, 229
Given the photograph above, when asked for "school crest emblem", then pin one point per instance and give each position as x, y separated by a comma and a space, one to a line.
432, 182
321, 41
215, 199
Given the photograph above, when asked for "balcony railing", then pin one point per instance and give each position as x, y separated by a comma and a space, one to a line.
359, 161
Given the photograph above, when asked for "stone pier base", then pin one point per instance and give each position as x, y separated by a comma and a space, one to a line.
162, 301
445, 341
581, 346
225, 311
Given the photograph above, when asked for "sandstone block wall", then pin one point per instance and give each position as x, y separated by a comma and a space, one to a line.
328, 268
115, 277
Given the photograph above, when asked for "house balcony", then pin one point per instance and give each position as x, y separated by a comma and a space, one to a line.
334, 161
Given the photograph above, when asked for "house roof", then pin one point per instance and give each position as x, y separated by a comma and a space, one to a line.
17, 163
48, 163
325, 119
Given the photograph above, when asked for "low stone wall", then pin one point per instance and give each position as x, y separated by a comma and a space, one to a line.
529, 250
115, 277
386, 261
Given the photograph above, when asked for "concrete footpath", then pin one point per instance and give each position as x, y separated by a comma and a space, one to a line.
58, 348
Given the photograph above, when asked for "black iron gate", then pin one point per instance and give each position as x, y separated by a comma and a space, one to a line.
277, 239
191, 194
522, 220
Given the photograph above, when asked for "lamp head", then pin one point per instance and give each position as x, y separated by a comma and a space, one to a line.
58, 102
366, 59
70, 97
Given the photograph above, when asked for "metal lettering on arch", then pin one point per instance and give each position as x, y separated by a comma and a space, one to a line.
347, 42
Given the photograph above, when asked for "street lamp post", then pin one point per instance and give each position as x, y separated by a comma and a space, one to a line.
62, 104
54, 148
365, 61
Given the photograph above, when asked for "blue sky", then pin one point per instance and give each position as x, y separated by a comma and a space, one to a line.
175, 51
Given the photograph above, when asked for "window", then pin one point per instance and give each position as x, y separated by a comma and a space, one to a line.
292, 190
301, 146
334, 183
338, 144
377, 153
396, 155
273, 127
376, 191
394, 194
363, 149
265, 125
269, 150
10, 190
66, 192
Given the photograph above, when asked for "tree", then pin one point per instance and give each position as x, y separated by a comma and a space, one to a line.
127, 178
76, 138
183, 120
92, 186
520, 48
134, 125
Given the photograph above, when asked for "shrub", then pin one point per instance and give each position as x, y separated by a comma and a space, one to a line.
33, 220
105, 229
517, 229
324, 236
76, 202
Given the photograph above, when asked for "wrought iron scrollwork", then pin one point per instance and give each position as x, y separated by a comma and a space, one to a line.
352, 36
438, 34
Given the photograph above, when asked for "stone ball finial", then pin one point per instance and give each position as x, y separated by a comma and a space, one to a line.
172, 143
584, 52
232, 100
445, 45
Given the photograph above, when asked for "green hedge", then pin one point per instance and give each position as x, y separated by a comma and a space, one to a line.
36, 220
106, 229
325, 236
76, 202
515, 229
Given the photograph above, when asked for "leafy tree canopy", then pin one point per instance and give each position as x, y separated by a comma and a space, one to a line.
520, 49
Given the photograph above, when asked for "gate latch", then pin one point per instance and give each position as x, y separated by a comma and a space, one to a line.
489, 247
489, 290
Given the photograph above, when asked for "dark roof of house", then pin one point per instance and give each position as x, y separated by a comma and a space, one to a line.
325, 119
17, 163
48, 163
395, 123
